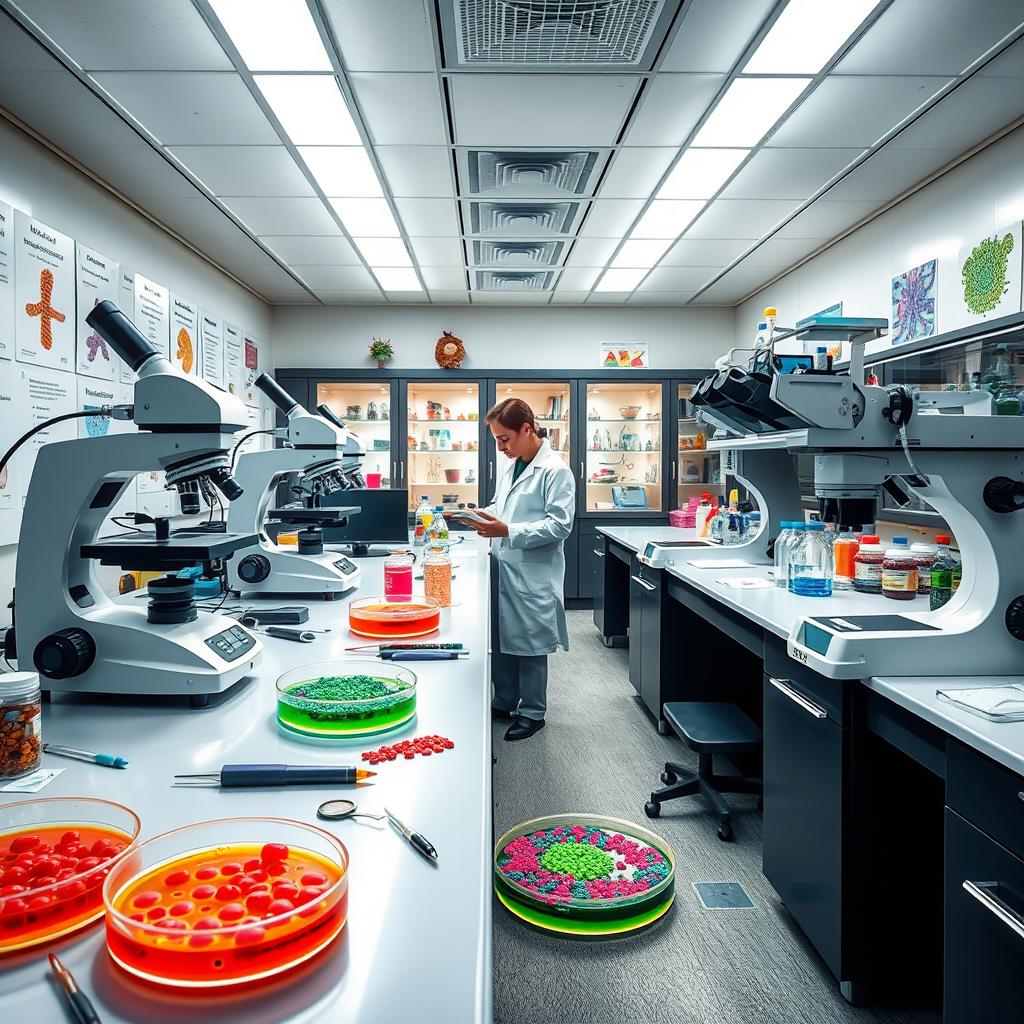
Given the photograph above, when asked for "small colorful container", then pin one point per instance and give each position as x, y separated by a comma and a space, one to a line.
381, 618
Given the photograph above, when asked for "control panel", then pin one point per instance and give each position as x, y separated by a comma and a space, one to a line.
231, 644
345, 566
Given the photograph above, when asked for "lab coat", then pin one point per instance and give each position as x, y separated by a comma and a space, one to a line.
538, 509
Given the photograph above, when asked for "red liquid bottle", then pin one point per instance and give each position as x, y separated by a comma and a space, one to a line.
398, 576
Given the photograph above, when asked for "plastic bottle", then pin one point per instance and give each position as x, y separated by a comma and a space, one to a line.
821, 358
925, 555
945, 573
437, 575
424, 514
811, 566
438, 530
719, 525
398, 575
844, 552
704, 511
781, 550
899, 571
799, 529
867, 565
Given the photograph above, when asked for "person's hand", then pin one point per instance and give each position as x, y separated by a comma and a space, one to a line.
492, 528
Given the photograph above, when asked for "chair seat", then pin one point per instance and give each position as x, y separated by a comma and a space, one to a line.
712, 728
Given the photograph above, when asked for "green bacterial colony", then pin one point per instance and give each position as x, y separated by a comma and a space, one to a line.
984, 274
319, 705
583, 862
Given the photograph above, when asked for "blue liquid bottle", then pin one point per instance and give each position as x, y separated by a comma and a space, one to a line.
811, 563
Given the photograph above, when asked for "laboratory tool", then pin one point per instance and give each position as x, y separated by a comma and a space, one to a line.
338, 810
237, 775
107, 760
225, 902
406, 647
379, 617
81, 1007
312, 451
343, 700
287, 615
66, 626
421, 655
299, 636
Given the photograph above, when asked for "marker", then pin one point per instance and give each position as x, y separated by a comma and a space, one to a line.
77, 1000
107, 760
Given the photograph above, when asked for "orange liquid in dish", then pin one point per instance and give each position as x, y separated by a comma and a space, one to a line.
51, 879
227, 914
394, 619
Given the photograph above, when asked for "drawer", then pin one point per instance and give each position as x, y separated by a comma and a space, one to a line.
829, 695
987, 794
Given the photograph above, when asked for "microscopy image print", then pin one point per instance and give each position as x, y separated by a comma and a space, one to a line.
186, 353
985, 274
44, 310
913, 304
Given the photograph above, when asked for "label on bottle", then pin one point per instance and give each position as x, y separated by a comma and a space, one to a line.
868, 572
398, 581
942, 579
899, 579
957, 573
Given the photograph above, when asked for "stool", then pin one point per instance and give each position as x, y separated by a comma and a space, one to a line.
708, 728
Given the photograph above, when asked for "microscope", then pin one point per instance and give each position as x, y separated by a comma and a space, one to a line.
314, 454
66, 627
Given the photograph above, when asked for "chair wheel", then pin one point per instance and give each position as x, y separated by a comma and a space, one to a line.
669, 778
652, 810
725, 833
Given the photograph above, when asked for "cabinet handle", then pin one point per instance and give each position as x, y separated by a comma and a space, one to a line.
581, 472
600, 554
490, 470
643, 583
673, 469
394, 472
994, 905
797, 698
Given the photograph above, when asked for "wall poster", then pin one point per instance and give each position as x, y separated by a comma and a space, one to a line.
185, 335
213, 349
97, 277
6, 281
152, 315
233, 359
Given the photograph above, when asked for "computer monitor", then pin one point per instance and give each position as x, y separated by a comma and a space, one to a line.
383, 519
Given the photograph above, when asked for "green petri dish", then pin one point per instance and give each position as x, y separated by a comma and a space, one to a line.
345, 699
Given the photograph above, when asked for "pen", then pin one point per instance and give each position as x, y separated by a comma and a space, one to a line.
420, 842
237, 775
77, 1000
107, 760
407, 647
421, 655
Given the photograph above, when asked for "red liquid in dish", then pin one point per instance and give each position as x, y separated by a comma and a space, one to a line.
393, 619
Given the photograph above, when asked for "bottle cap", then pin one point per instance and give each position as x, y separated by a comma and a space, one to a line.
815, 526
943, 538
17, 685
870, 538
897, 541
770, 311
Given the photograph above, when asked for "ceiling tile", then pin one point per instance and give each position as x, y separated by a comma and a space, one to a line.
245, 170
788, 173
1009, 64
199, 109
310, 250
671, 107
946, 37
437, 252
386, 35
611, 218
568, 298
282, 216
196, 218
607, 298
502, 298
336, 278
677, 279
137, 171
635, 173
269, 277
643, 298
705, 252
416, 171
826, 218
428, 216
744, 278
444, 278
400, 109
406, 297
241, 255
333, 297
578, 279
780, 253
20, 52
592, 252
709, 41
740, 218
125, 35
889, 172
854, 110
540, 110
454, 298
288, 296
720, 295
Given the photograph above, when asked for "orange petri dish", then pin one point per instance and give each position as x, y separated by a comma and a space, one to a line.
208, 905
54, 856
381, 618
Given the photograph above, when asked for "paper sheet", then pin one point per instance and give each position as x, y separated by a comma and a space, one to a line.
720, 563
747, 583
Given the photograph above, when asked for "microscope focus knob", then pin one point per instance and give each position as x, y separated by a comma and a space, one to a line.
1015, 617
1004, 494
66, 653
254, 568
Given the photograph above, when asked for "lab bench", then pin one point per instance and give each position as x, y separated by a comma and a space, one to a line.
386, 965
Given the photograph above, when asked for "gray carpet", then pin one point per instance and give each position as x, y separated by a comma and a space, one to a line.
601, 752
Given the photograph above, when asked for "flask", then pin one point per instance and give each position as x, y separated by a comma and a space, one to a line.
899, 571
925, 555
944, 566
437, 575
21, 740
811, 563
398, 575
867, 567
844, 551
782, 542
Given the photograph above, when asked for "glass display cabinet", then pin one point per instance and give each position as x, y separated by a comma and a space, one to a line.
551, 405
365, 407
696, 469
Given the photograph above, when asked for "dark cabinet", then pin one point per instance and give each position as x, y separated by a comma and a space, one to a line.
604, 577
646, 618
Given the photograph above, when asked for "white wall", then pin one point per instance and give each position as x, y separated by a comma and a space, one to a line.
499, 337
981, 195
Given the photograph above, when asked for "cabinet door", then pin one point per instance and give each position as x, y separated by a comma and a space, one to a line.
637, 606
650, 646
984, 927
593, 558
803, 805
368, 410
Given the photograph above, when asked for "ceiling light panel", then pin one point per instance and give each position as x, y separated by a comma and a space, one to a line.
667, 218
343, 171
368, 218
397, 279
749, 110
620, 280
524, 174
383, 252
641, 252
700, 173
273, 35
311, 109
806, 34
706, 41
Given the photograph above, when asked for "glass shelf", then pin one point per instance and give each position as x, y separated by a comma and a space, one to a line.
552, 398
467, 422
458, 403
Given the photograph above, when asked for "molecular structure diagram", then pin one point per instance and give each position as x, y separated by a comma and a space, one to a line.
44, 310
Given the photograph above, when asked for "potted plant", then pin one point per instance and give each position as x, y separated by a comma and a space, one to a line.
381, 350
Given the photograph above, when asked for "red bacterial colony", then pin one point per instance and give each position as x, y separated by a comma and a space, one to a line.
408, 749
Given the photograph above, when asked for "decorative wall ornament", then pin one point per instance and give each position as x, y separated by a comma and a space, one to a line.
449, 351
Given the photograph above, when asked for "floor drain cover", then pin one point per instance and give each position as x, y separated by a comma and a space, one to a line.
723, 896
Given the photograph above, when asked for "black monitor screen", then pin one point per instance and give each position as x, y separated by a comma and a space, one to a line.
383, 519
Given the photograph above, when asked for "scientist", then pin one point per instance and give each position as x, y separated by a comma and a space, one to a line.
528, 522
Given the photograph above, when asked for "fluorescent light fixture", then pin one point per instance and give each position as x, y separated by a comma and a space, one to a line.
748, 110
369, 218
383, 252
667, 218
806, 34
700, 173
620, 280
311, 109
273, 35
342, 171
642, 252
397, 279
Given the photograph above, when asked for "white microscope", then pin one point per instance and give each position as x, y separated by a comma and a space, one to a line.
66, 626
315, 452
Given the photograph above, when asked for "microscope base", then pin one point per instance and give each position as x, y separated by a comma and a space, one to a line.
286, 573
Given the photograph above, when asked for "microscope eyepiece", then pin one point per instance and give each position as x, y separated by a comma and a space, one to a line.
276, 393
120, 333
329, 415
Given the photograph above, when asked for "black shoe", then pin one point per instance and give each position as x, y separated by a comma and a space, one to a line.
501, 715
521, 728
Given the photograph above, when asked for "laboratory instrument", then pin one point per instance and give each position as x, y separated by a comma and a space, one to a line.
237, 775
107, 760
79, 1002
338, 810
421, 655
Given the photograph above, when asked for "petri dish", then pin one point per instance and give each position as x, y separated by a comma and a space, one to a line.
585, 875
381, 618
54, 856
346, 699
226, 902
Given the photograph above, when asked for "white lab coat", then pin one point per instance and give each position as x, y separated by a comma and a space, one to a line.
538, 509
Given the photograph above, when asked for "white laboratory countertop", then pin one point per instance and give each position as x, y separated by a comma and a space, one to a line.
637, 537
418, 940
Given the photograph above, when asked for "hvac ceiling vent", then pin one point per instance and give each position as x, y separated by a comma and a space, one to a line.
517, 254
555, 34
530, 175
513, 280
523, 220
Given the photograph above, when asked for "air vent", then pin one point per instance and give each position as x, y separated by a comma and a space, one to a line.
517, 254
530, 175
523, 220
514, 280
549, 34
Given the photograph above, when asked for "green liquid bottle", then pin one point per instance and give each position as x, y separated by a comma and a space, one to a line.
946, 571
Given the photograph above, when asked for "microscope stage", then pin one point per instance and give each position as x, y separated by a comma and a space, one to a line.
177, 552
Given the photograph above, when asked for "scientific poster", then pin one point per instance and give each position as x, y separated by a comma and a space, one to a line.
625, 355
250, 369
185, 335
9, 433
126, 303
213, 349
44, 294
6, 281
233, 359
151, 314
97, 278
990, 278
39, 395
